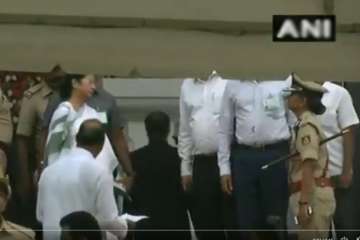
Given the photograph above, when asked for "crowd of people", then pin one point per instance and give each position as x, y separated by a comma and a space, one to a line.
225, 172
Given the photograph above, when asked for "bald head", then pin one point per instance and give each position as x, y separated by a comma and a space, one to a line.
91, 135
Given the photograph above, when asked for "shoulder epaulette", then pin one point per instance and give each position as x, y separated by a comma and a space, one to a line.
312, 125
26, 231
34, 89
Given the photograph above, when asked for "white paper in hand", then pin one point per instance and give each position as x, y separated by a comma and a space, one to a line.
133, 218
119, 186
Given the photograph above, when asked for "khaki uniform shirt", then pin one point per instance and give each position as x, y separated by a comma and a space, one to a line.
307, 143
6, 127
11, 231
32, 110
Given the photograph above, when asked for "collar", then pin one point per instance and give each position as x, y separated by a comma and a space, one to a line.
45, 90
305, 115
199, 81
158, 142
4, 225
82, 151
207, 81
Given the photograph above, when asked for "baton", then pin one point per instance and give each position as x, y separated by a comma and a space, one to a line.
264, 167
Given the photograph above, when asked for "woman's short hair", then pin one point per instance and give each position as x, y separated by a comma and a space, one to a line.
66, 87
314, 102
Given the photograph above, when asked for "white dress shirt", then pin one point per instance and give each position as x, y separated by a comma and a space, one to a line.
340, 114
260, 113
200, 103
75, 182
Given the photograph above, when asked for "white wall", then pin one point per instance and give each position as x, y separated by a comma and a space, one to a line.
143, 88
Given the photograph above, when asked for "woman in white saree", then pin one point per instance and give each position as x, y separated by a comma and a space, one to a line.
64, 126
68, 117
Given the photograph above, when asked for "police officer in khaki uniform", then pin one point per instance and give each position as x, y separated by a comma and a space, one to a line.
28, 133
9, 230
312, 197
6, 128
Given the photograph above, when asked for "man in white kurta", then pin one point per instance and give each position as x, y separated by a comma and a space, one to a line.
77, 182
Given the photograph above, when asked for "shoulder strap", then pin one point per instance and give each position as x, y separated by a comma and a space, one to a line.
314, 126
32, 90
25, 231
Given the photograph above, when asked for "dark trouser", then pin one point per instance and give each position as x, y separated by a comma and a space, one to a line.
206, 199
344, 218
261, 195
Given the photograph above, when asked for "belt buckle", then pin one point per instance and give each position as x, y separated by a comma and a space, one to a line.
259, 146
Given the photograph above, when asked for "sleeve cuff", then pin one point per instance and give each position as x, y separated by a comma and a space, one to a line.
22, 131
309, 154
225, 170
118, 227
186, 168
349, 123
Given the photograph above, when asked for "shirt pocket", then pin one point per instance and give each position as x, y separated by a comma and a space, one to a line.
5, 105
244, 104
273, 105
193, 105
193, 109
5, 108
215, 102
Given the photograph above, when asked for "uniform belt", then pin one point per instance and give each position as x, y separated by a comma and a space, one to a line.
264, 147
319, 182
